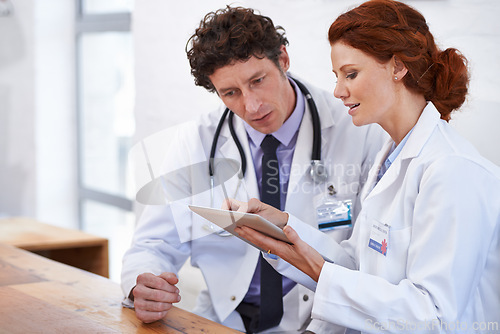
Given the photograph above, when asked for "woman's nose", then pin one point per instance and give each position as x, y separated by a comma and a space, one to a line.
340, 92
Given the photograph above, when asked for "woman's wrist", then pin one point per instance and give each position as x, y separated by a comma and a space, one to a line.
317, 269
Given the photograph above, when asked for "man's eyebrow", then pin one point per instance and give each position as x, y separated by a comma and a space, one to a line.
225, 90
251, 78
256, 75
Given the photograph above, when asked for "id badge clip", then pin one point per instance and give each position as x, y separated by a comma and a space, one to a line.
332, 213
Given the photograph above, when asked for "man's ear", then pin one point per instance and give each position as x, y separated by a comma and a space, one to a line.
400, 69
284, 59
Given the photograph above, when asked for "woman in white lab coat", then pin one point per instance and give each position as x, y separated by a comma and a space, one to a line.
425, 252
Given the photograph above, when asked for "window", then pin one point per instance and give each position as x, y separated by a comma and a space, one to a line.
105, 95
106, 6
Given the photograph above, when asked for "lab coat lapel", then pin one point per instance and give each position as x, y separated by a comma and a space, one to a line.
422, 132
373, 173
228, 149
419, 136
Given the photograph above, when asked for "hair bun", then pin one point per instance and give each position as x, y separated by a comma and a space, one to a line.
451, 82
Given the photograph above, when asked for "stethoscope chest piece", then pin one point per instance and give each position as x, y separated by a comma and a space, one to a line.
318, 171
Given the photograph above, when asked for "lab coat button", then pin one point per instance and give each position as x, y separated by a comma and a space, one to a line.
233, 298
305, 298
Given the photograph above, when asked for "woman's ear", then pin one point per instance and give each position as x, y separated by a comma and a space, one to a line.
400, 69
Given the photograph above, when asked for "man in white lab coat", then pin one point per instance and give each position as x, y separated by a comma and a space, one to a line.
242, 57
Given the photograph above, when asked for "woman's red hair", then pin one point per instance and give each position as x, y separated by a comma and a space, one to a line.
387, 28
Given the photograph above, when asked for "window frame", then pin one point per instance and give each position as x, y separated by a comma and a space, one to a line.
94, 23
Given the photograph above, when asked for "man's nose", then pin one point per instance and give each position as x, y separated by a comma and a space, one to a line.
252, 102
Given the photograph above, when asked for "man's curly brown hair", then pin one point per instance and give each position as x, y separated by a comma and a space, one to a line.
228, 35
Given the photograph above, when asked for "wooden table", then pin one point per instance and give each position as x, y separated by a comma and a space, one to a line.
38, 295
72, 247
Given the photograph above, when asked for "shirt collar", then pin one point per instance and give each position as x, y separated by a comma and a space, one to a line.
286, 132
396, 150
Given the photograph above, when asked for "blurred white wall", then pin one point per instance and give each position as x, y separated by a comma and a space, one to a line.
37, 119
17, 123
55, 118
166, 94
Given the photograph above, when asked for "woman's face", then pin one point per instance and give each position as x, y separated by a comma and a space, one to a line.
366, 86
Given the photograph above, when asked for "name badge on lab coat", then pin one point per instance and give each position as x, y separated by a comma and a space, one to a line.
379, 237
332, 213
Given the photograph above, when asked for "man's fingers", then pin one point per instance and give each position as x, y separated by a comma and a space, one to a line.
150, 303
148, 317
142, 292
254, 205
226, 205
151, 306
171, 278
234, 205
164, 282
156, 305
154, 295
243, 207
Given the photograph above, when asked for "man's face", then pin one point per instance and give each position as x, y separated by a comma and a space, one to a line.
257, 91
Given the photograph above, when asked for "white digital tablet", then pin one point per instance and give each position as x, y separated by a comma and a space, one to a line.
229, 220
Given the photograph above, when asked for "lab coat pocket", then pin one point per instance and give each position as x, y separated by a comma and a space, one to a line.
397, 254
387, 251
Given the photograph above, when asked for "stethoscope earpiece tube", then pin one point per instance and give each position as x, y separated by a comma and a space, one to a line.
214, 142
238, 144
316, 154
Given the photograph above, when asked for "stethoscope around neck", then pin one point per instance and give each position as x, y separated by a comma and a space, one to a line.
318, 171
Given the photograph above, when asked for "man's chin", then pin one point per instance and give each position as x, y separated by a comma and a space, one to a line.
266, 128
